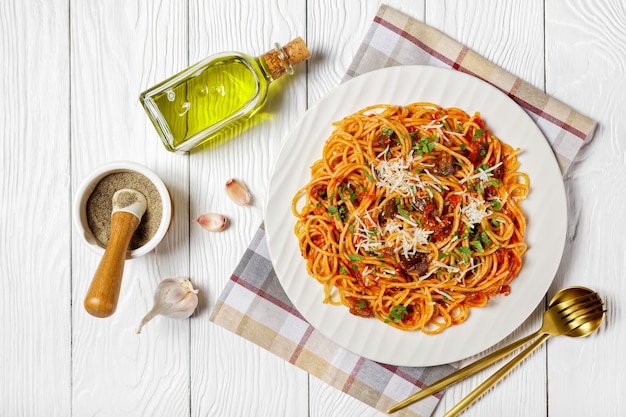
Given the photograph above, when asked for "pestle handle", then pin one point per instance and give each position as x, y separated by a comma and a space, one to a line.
104, 291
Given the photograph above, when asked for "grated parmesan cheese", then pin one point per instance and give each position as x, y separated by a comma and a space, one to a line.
395, 175
426, 275
482, 174
437, 180
404, 235
461, 277
449, 268
445, 295
475, 211
401, 234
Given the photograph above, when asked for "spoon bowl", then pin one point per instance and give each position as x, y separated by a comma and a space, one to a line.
585, 304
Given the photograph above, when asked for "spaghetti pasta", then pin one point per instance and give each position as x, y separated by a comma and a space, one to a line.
412, 215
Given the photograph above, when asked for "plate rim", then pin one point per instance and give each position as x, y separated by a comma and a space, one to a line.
416, 71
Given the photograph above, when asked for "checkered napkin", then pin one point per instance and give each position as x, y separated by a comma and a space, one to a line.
396, 39
254, 305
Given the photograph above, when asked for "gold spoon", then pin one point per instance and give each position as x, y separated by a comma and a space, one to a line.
573, 311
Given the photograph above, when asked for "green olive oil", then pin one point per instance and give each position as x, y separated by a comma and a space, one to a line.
197, 104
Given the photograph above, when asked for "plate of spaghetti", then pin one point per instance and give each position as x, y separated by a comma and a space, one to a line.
416, 216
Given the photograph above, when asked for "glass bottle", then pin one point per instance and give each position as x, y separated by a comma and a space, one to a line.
195, 105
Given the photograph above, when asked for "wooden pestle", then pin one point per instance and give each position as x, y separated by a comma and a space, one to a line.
129, 207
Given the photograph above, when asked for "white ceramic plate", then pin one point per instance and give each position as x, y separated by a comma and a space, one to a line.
545, 208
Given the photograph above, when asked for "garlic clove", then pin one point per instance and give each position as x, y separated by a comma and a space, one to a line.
173, 298
184, 307
238, 192
212, 222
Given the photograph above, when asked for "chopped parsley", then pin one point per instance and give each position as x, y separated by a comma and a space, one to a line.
485, 239
402, 211
425, 145
354, 258
352, 194
465, 253
338, 211
368, 176
396, 314
477, 133
478, 245
493, 183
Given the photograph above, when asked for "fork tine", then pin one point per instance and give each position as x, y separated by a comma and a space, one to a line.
584, 313
578, 321
578, 306
568, 303
581, 311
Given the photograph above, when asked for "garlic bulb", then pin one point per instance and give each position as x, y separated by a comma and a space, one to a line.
212, 222
173, 298
238, 192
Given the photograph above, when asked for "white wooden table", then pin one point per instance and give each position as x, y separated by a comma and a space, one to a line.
71, 74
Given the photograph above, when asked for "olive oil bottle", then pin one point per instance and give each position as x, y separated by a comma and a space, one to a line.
198, 103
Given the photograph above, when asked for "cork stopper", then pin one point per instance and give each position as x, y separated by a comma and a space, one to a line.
282, 59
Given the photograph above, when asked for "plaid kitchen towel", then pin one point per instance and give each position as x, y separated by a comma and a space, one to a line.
254, 305
397, 39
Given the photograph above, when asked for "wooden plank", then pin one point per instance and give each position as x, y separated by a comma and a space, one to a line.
35, 226
585, 67
231, 376
119, 49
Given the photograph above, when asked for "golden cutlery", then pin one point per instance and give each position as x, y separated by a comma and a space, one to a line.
573, 311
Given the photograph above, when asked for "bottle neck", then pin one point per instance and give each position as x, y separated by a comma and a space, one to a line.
276, 63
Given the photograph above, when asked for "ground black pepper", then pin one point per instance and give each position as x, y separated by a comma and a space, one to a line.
100, 205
